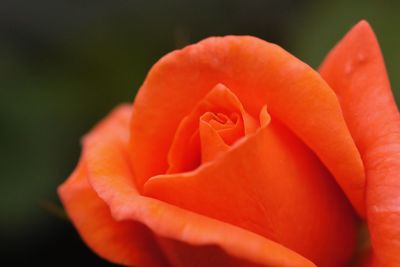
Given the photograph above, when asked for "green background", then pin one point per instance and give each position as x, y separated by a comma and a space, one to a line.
65, 64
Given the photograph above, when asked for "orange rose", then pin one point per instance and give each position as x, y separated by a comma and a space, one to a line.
236, 153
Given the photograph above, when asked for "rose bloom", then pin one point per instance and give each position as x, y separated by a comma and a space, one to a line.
236, 153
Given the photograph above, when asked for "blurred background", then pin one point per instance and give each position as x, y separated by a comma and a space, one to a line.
65, 64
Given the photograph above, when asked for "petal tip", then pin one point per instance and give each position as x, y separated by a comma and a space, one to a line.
363, 27
363, 23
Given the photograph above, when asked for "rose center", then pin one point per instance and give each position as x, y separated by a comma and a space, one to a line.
229, 128
214, 125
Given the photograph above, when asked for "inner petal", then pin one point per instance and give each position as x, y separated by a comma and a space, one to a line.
229, 128
216, 123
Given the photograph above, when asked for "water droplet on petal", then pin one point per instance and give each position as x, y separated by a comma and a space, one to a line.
361, 57
348, 68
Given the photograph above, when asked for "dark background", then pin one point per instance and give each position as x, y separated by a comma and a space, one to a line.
65, 64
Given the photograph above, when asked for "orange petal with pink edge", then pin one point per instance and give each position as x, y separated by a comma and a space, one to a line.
271, 184
128, 242
258, 73
356, 71
179, 231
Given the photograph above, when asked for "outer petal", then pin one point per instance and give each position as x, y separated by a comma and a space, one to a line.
258, 73
271, 184
355, 70
125, 242
184, 235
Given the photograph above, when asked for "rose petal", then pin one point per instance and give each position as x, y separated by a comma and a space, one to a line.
106, 152
212, 144
356, 71
271, 184
367, 260
258, 73
186, 149
124, 242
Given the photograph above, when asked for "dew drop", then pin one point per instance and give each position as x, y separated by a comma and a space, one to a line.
361, 57
348, 68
